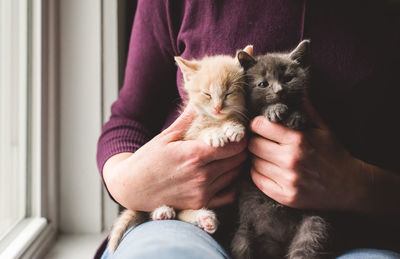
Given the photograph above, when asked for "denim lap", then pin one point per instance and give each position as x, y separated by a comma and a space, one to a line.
169, 239
369, 254
172, 239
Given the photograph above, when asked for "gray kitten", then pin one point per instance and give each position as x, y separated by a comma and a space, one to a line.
267, 229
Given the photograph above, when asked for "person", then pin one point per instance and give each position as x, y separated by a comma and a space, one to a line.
345, 164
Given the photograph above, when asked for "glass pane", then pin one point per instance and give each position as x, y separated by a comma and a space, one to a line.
13, 112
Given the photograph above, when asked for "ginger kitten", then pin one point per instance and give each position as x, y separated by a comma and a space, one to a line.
215, 87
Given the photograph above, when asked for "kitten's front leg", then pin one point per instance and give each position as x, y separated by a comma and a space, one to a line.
234, 131
163, 213
276, 112
214, 137
296, 121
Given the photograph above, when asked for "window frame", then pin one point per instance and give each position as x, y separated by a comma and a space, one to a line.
32, 237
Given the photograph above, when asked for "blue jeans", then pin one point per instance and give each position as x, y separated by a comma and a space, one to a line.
172, 239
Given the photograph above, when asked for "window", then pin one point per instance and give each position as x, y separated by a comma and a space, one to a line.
13, 113
26, 178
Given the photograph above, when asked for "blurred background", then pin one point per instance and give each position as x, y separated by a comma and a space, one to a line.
61, 65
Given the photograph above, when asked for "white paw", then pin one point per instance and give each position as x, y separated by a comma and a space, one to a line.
207, 220
215, 139
162, 213
234, 132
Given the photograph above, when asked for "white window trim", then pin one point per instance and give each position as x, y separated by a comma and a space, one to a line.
89, 71
110, 86
34, 235
51, 75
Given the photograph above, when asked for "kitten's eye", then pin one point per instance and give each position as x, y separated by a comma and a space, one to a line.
228, 94
287, 79
263, 84
207, 95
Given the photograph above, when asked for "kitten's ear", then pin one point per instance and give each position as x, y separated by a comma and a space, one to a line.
244, 57
300, 53
188, 67
249, 49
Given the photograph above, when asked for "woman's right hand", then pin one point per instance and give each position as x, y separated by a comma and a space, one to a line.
168, 171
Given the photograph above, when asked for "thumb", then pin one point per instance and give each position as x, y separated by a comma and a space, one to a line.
178, 128
313, 115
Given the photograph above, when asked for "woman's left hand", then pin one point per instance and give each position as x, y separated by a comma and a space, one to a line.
307, 170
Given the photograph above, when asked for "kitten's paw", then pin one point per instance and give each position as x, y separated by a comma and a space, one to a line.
207, 220
215, 139
296, 121
234, 132
163, 213
276, 112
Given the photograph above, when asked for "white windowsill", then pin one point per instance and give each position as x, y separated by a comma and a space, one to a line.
22, 236
77, 246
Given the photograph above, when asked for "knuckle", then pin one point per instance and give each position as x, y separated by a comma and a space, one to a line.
291, 198
295, 198
294, 157
297, 138
292, 179
291, 162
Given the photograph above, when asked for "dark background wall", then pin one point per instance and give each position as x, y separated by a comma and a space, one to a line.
126, 14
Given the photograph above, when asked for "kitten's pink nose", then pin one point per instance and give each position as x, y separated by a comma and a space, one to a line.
218, 108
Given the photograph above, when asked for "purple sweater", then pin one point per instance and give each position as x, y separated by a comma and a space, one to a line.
354, 65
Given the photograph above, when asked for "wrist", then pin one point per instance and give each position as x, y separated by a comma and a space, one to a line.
361, 188
378, 192
111, 175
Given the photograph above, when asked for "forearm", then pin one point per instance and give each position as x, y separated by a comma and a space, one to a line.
114, 180
382, 192
133, 189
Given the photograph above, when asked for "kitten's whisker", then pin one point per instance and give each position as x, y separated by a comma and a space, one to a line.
243, 114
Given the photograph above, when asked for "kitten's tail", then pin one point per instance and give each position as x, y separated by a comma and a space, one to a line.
127, 219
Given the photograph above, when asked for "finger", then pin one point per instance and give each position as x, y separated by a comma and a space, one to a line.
219, 167
314, 117
266, 168
223, 198
178, 128
223, 181
273, 131
268, 186
282, 177
266, 149
209, 154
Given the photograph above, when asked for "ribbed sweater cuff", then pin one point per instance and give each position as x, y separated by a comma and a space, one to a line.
119, 135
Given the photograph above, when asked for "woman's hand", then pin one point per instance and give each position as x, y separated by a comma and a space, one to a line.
168, 171
308, 170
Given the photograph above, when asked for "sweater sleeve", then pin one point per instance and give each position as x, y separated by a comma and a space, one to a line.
150, 91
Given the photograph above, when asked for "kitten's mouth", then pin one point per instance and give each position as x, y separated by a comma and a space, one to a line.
219, 114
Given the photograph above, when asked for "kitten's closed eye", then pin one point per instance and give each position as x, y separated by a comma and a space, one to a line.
263, 84
287, 78
228, 94
206, 95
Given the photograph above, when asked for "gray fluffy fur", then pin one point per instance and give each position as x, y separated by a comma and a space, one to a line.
268, 229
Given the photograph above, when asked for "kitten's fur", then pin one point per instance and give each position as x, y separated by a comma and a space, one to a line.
267, 229
215, 87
